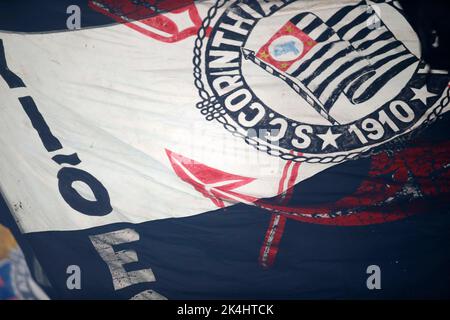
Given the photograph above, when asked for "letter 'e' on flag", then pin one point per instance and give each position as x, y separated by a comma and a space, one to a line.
286, 47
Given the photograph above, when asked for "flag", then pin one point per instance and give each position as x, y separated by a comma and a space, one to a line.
177, 152
344, 55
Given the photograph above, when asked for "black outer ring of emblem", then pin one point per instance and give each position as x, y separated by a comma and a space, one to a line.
212, 107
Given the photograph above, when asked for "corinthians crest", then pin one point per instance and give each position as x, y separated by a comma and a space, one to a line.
327, 82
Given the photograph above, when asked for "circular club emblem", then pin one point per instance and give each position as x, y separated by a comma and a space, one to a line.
316, 83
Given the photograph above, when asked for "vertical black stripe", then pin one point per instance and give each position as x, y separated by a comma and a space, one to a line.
327, 34
384, 78
50, 142
295, 20
362, 34
351, 24
328, 62
336, 74
316, 56
313, 25
387, 59
338, 16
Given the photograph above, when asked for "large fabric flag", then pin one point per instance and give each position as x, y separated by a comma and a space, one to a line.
346, 54
223, 149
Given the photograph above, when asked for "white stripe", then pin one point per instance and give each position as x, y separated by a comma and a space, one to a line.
350, 17
324, 114
380, 72
18, 92
333, 84
270, 238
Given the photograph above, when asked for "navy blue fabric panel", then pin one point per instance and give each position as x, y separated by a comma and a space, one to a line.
215, 255
51, 15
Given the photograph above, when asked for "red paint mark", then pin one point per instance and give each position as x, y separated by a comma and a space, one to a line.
290, 188
153, 18
214, 184
283, 177
274, 233
415, 175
